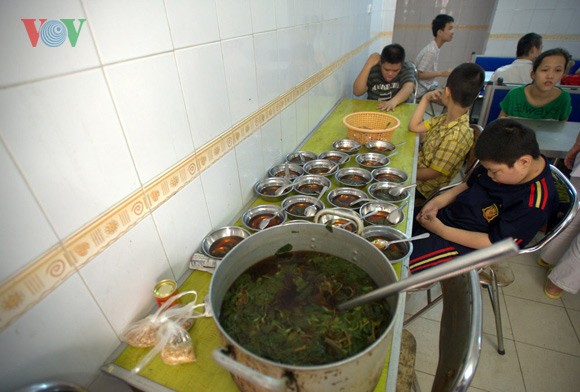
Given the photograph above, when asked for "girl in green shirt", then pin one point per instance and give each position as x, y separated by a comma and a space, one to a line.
541, 99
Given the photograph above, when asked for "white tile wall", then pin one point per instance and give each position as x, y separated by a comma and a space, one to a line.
249, 159
182, 223
148, 97
192, 22
234, 18
203, 82
21, 241
240, 68
125, 29
266, 55
65, 136
64, 337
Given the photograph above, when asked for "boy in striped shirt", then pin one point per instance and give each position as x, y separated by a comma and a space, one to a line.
510, 194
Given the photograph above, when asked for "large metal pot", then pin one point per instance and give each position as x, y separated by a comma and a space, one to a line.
359, 372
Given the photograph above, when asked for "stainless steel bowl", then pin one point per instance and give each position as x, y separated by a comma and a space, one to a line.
372, 160
301, 157
396, 252
295, 206
220, 241
353, 176
252, 217
339, 221
390, 174
311, 184
382, 209
294, 171
342, 197
347, 145
380, 191
267, 187
380, 146
335, 156
321, 167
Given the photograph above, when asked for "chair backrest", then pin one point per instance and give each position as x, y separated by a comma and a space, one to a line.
470, 159
460, 333
492, 96
561, 219
575, 98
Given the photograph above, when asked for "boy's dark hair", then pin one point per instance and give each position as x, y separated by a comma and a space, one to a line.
393, 54
505, 141
527, 43
440, 22
465, 83
553, 52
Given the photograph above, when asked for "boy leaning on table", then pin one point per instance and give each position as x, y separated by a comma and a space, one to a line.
511, 194
447, 138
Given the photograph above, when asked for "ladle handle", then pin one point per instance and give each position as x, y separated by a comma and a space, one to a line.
417, 237
476, 259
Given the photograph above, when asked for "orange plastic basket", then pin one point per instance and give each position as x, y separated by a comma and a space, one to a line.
367, 126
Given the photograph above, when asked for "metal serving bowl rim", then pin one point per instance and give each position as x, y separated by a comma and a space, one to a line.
389, 169
320, 163
291, 166
398, 235
347, 190
210, 238
345, 157
356, 146
310, 154
363, 210
265, 208
382, 158
387, 184
296, 198
266, 181
305, 179
368, 145
358, 170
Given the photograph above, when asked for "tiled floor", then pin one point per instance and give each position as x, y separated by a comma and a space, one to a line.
541, 337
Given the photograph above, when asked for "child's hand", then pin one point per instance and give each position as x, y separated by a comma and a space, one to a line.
434, 95
387, 105
429, 222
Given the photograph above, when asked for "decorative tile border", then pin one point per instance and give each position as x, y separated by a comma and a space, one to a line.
425, 26
545, 37
23, 290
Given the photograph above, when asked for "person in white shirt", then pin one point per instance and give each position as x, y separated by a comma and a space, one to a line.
428, 58
529, 48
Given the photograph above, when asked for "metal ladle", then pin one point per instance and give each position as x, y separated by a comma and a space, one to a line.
397, 190
311, 209
396, 215
352, 203
384, 244
265, 222
476, 259
282, 189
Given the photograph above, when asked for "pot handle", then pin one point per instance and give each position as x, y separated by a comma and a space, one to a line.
350, 215
255, 377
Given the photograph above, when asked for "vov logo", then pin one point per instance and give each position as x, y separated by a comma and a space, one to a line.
53, 33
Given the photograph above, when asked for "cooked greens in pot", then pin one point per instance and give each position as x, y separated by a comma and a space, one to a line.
283, 309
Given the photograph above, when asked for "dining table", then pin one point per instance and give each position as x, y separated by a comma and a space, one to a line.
555, 138
205, 374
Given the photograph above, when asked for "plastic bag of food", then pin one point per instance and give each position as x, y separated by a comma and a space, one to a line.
172, 339
178, 347
143, 333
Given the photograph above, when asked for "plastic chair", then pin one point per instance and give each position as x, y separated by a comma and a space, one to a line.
459, 337
501, 275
